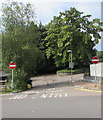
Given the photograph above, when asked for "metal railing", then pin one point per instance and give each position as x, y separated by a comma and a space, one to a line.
3, 85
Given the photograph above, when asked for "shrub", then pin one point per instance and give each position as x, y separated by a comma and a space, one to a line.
68, 71
20, 79
102, 81
86, 74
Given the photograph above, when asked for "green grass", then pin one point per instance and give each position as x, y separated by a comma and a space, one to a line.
68, 71
2, 91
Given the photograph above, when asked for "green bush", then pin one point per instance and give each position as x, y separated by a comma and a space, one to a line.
86, 74
102, 81
20, 79
68, 71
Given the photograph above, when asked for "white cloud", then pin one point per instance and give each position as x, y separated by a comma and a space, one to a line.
73, 0
63, 0
46, 10
92, 8
32, 1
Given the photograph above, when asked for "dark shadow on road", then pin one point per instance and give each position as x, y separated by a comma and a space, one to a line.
51, 85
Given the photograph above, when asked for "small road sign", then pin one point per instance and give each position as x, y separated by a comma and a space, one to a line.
71, 65
95, 60
12, 65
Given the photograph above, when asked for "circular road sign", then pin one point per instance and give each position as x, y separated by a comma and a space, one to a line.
12, 65
95, 60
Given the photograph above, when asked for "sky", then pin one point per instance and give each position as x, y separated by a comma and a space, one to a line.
46, 9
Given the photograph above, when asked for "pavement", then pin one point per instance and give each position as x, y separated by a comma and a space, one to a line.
50, 81
57, 81
88, 85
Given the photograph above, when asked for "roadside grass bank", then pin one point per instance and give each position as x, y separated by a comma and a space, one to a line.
3, 91
69, 71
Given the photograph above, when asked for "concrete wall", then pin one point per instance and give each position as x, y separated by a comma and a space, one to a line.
99, 70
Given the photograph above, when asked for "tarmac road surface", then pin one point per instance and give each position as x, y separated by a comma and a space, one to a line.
52, 102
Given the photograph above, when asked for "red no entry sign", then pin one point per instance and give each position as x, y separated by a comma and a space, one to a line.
95, 60
12, 65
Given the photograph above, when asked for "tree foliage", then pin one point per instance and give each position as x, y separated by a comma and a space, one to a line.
20, 39
100, 55
72, 30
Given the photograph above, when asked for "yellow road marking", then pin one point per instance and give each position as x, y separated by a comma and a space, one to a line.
89, 90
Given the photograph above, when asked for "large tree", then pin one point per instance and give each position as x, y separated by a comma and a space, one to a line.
71, 30
20, 38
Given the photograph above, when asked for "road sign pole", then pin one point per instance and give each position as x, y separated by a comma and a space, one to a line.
95, 77
95, 60
12, 83
12, 66
71, 67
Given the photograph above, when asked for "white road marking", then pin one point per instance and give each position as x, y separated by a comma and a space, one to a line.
46, 91
60, 95
56, 95
18, 97
31, 92
44, 95
51, 89
37, 92
66, 94
34, 97
27, 92
50, 95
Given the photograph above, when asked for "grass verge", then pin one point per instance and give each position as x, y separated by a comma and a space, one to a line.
2, 91
68, 71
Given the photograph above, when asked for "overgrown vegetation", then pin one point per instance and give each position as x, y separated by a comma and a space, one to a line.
29, 44
69, 71
71, 30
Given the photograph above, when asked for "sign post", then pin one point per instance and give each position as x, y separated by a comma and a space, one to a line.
95, 60
71, 65
12, 66
12, 83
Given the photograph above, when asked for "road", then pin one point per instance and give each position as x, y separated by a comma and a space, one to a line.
49, 102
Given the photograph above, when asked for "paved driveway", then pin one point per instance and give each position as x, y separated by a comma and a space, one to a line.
55, 79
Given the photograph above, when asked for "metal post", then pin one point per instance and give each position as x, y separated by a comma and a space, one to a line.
95, 77
12, 83
71, 66
70, 51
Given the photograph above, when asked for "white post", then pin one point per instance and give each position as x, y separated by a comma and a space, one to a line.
12, 82
95, 77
